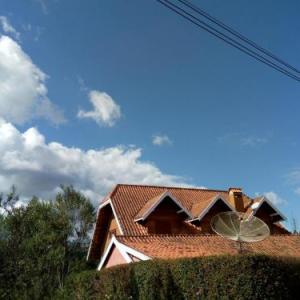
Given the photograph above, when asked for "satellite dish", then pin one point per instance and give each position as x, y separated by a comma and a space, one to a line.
239, 227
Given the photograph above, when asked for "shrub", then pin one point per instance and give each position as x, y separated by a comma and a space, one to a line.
222, 277
79, 286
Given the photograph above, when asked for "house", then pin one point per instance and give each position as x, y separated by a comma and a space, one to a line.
139, 222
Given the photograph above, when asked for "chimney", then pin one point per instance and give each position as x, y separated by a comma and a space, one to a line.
236, 198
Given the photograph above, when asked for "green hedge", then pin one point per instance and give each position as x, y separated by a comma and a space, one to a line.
222, 277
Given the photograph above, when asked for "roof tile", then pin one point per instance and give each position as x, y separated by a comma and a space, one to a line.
128, 200
176, 246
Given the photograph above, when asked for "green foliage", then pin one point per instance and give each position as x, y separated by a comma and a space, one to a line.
224, 277
78, 286
7, 203
79, 212
38, 248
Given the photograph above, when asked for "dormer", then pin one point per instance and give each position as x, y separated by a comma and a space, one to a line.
265, 210
164, 214
203, 212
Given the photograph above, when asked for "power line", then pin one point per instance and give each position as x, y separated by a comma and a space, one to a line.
237, 34
225, 38
196, 21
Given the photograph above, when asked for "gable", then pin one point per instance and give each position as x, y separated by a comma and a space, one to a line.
167, 219
265, 210
114, 258
210, 209
118, 253
107, 224
165, 202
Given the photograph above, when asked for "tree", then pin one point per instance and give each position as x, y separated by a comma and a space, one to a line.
79, 212
34, 250
8, 203
79, 215
42, 243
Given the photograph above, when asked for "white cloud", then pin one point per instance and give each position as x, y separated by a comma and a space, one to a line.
105, 110
43, 4
35, 31
38, 168
293, 178
297, 191
8, 28
274, 198
160, 140
245, 141
253, 141
23, 93
82, 85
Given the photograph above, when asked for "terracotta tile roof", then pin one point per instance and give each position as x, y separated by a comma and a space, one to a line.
198, 207
128, 200
148, 205
177, 246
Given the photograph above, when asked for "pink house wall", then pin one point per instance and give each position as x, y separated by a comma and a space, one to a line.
114, 258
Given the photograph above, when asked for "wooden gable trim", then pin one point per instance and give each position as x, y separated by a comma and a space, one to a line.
156, 204
266, 200
126, 252
211, 204
105, 203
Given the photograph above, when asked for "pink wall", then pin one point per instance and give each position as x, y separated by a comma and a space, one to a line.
114, 258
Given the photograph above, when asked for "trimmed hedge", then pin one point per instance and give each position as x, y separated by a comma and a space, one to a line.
221, 277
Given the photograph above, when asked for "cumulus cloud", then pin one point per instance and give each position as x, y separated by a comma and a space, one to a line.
23, 92
160, 140
274, 198
8, 28
105, 110
38, 168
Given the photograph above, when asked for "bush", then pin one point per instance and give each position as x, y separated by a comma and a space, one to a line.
79, 286
222, 277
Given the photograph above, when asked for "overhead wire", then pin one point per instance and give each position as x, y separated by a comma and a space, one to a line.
203, 25
237, 34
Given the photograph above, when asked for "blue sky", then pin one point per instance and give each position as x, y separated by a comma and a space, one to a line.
218, 118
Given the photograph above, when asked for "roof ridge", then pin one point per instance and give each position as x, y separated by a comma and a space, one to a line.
171, 187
